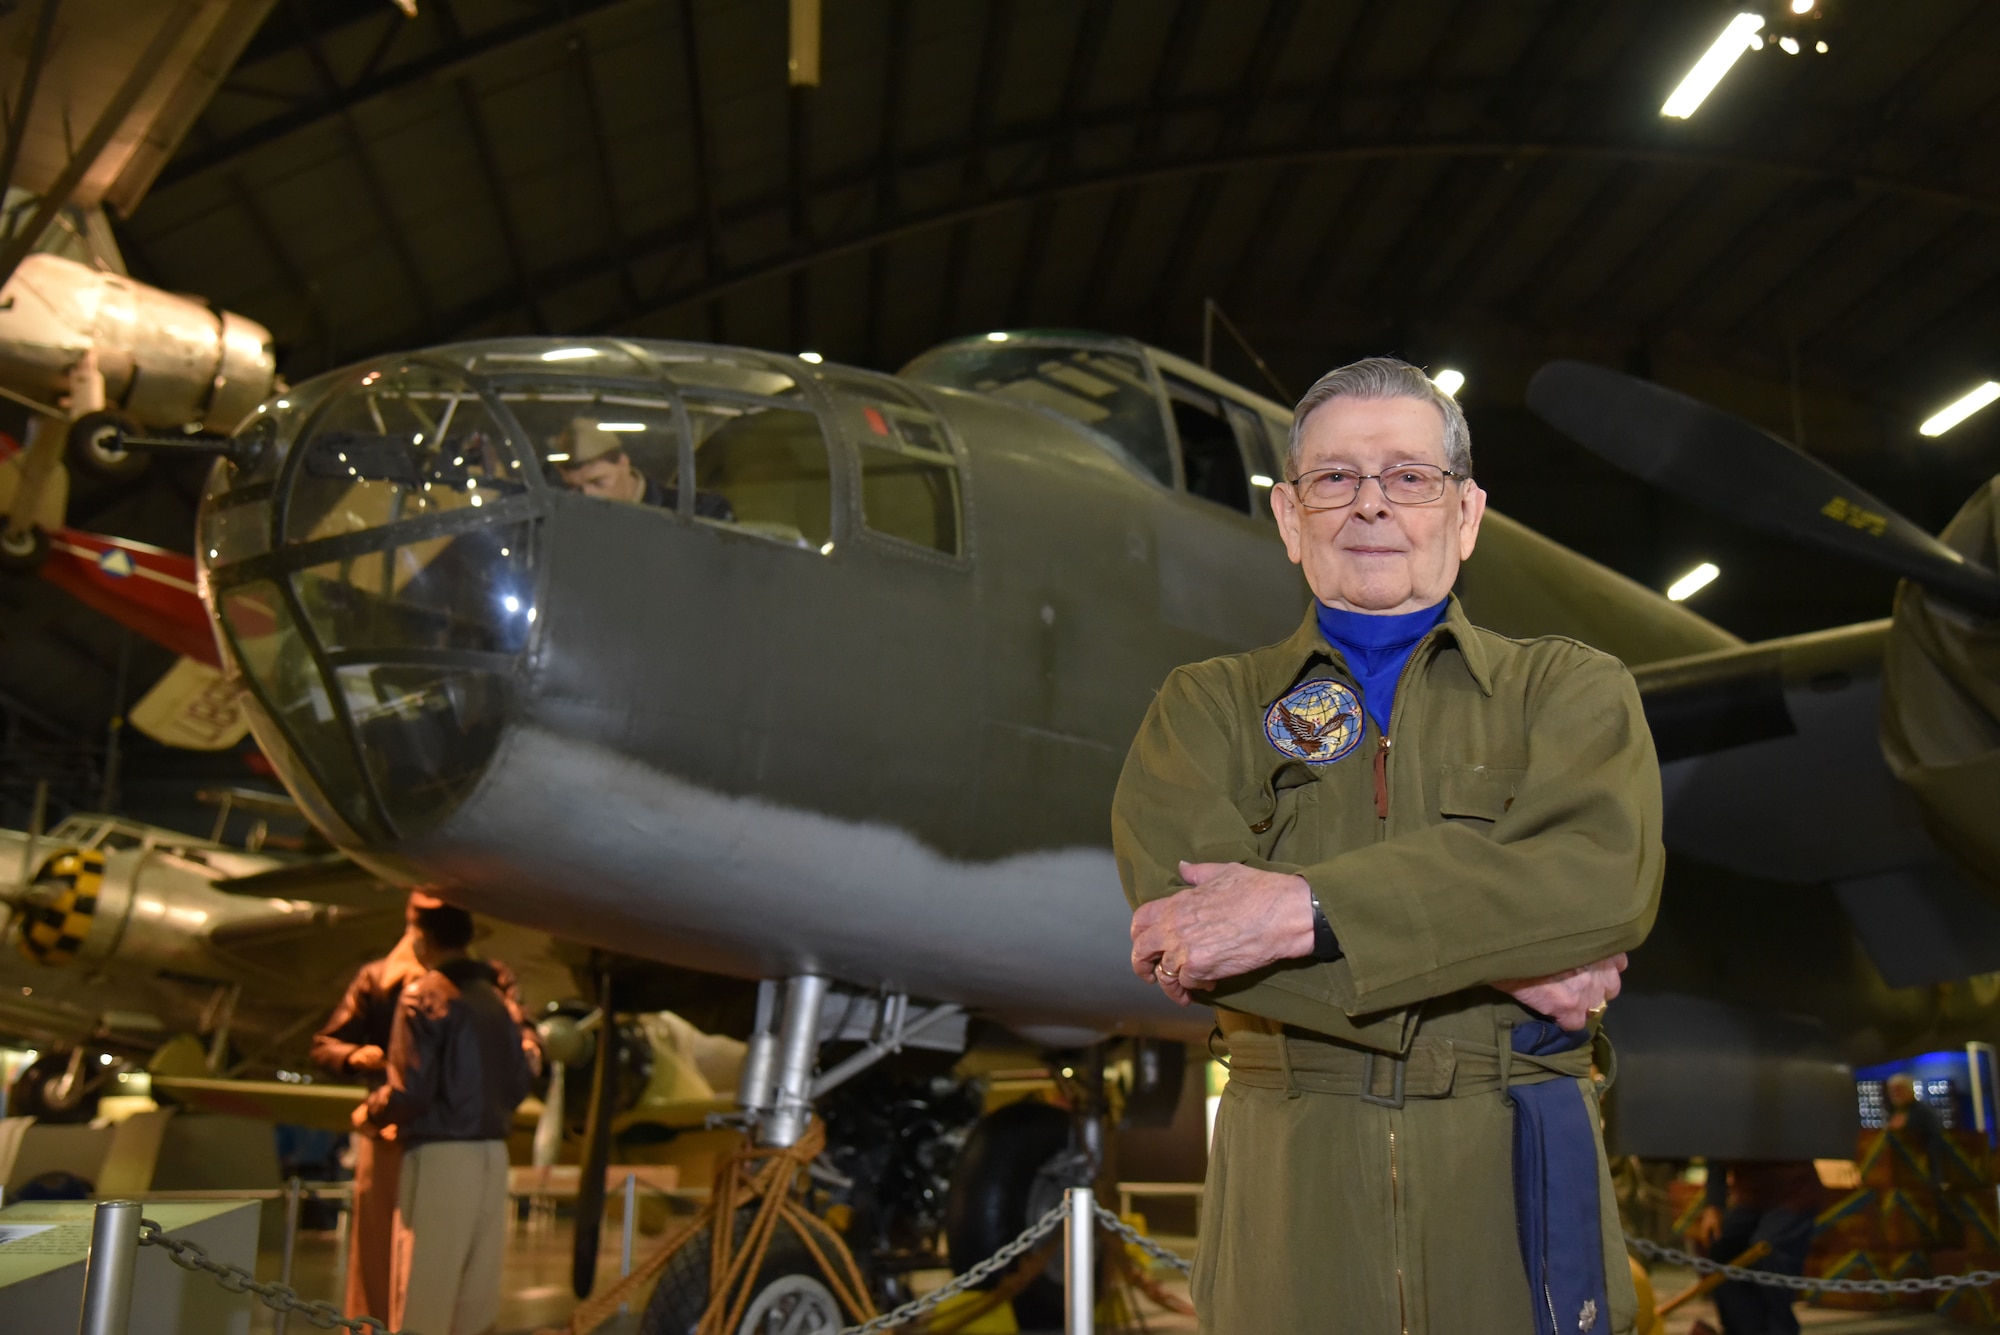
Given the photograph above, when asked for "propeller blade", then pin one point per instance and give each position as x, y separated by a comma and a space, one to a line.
596, 1145
1705, 455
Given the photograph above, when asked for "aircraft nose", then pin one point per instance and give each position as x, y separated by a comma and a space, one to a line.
373, 573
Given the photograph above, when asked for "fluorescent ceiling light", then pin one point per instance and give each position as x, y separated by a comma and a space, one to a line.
1738, 37
1944, 419
568, 354
1259, 480
996, 337
621, 426
1449, 381
812, 357
1790, 45
558, 458
1693, 582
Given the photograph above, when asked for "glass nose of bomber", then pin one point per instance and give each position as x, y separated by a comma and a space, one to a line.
373, 570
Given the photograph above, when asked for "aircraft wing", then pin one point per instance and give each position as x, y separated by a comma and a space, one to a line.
321, 1107
331, 880
104, 73
1772, 768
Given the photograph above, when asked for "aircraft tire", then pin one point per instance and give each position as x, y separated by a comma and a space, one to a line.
93, 447
30, 1093
790, 1293
998, 1189
25, 554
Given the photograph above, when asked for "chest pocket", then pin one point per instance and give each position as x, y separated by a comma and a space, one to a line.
1477, 793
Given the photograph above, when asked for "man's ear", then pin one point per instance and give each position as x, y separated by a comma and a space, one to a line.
1285, 509
1471, 509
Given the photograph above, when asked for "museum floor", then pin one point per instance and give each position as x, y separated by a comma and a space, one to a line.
537, 1289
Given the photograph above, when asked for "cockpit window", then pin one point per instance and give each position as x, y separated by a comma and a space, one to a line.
768, 467
614, 445
399, 444
909, 475
266, 641
707, 370
1105, 390
1222, 445
515, 356
472, 589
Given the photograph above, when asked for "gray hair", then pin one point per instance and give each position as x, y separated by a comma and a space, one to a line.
1386, 378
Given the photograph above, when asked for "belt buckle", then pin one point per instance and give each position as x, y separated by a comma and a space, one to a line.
1394, 1098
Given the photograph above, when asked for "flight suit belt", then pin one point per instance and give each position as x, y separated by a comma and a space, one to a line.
1433, 1068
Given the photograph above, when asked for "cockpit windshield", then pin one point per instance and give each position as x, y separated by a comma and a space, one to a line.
1102, 388
406, 443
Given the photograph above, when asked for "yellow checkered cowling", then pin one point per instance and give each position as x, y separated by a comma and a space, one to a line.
52, 933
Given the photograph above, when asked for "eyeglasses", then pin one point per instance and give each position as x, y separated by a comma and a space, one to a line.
1405, 484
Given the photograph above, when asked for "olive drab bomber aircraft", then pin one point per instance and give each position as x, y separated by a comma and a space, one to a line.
841, 707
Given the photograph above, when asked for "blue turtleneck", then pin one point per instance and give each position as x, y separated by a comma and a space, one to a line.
1376, 648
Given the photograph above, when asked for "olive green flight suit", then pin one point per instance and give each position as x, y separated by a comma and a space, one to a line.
1512, 830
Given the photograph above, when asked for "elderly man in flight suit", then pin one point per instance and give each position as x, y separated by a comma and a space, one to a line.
1402, 856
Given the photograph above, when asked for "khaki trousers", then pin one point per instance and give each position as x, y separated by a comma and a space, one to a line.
372, 1235
451, 1229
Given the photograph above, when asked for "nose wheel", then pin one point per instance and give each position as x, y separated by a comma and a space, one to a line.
24, 552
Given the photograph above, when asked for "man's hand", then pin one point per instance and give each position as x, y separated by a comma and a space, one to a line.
1230, 920
367, 1057
1707, 1225
358, 1119
1569, 997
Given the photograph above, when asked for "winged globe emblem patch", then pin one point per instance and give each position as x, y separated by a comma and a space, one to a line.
1318, 722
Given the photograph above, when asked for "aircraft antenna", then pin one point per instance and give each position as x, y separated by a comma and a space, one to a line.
1211, 313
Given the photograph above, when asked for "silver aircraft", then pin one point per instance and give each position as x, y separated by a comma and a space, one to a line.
839, 702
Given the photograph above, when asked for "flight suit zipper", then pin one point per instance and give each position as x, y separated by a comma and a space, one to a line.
1382, 741
1382, 777
1382, 746
1396, 1234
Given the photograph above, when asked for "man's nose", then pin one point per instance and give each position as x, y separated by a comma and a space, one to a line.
1380, 505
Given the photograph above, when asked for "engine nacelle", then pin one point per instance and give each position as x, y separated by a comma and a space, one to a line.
167, 360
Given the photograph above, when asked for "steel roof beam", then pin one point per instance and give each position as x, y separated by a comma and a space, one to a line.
1060, 153
371, 180
896, 229
704, 191
1174, 57
607, 187
1251, 87
888, 157
973, 181
339, 101
503, 212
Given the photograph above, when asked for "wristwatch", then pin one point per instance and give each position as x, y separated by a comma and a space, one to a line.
1325, 945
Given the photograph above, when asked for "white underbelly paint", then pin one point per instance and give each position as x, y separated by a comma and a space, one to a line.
578, 840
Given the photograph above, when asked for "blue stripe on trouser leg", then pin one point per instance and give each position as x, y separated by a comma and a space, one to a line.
1555, 1192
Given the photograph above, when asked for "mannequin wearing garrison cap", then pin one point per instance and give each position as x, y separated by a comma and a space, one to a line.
593, 460
353, 1045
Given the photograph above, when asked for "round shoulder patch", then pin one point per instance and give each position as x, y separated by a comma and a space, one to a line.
1317, 722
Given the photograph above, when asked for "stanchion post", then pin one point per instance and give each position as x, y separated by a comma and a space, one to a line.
107, 1275
292, 1191
1080, 1263
631, 1226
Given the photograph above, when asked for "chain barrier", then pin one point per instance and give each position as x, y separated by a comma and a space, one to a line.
1030, 1238
1653, 1251
977, 1275
193, 1257
1111, 1223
